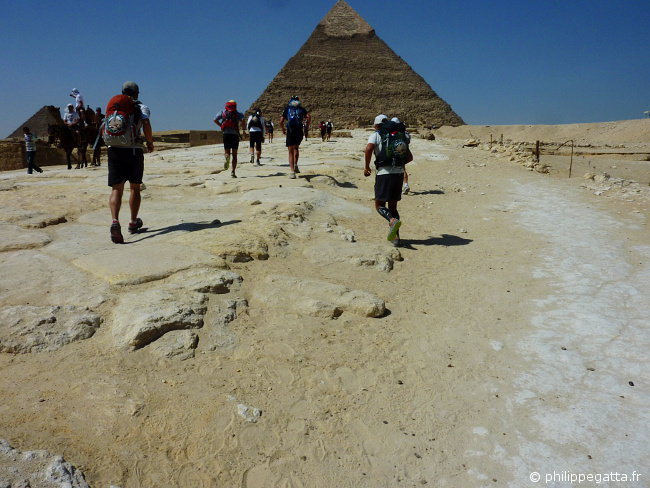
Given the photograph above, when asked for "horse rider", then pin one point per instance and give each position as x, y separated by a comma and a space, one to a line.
79, 104
72, 120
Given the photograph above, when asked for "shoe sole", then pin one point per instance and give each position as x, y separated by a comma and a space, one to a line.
393, 230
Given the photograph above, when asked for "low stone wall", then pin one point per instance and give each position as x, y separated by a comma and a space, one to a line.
12, 155
205, 137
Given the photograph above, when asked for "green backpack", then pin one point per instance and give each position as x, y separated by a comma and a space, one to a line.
394, 145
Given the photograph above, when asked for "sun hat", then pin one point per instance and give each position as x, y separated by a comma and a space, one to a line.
380, 118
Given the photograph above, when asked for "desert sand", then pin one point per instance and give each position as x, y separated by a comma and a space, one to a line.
261, 331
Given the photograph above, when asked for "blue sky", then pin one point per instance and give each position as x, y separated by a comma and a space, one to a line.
494, 62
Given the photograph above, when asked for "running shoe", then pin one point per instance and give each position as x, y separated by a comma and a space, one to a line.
292, 175
134, 227
226, 164
233, 175
394, 228
406, 188
116, 233
296, 169
252, 159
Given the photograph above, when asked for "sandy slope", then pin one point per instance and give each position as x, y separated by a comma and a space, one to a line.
516, 324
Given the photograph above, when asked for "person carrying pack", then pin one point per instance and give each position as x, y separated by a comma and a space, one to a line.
256, 131
126, 116
230, 121
391, 150
291, 123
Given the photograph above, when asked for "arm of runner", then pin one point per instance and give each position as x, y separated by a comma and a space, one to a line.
369, 151
282, 121
148, 134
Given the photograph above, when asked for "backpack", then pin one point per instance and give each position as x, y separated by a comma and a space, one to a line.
394, 145
229, 119
294, 116
121, 124
255, 121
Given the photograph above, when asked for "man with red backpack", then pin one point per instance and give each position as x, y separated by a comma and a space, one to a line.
293, 115
230, 121
126, 118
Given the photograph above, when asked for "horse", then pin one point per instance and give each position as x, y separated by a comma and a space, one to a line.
67, 139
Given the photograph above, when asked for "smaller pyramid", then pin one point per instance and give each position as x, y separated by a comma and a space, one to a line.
38, 122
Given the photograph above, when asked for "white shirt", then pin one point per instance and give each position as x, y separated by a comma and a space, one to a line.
79, 101
375, 139
257, 129
145, 112
71, 118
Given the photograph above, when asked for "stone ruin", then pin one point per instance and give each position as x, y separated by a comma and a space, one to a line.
346, 73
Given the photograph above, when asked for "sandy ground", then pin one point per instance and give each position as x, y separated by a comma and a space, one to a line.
515, 338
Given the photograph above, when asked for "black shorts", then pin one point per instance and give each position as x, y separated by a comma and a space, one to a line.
388, 188
231, 141
294, 136
125, 164
256, 139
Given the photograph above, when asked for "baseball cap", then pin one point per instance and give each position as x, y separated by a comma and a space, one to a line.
380, 118
395, 119
130, 88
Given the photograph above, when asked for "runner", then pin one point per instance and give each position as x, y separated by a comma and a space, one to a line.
269, 129
293, 115
256, 126
230, 121
328, 129
391, 155
323, 130
126, 117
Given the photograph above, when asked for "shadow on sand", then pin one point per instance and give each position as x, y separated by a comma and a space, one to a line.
183, 227
427, 192
444, 240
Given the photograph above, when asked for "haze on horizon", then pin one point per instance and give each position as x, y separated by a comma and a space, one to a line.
505, 62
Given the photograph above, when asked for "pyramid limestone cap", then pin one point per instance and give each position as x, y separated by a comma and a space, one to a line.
343, 21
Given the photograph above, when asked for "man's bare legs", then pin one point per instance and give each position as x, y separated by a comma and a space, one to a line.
115, 204
294, 155
115, 201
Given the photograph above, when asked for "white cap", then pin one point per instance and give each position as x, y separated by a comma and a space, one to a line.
380, 118
75, 91
395, 119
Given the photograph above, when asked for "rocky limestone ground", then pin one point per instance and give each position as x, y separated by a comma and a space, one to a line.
261, 332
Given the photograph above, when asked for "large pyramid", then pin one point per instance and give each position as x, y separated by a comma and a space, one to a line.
346, 73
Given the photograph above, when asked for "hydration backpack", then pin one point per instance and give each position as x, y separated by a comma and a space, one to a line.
229, 119
294, 116
256, 121
121, 125
394, 145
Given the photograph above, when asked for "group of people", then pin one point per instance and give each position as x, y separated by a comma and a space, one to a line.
126, 130
295, 122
